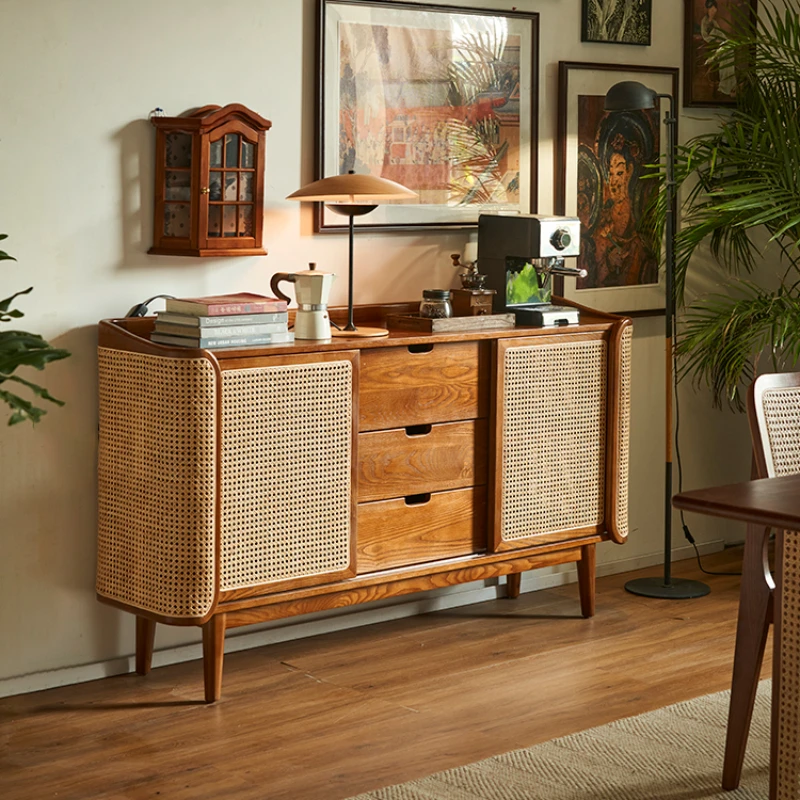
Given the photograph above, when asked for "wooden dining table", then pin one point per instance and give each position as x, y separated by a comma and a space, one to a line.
765, 503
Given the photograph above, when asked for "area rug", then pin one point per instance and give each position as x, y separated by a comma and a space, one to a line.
673, 752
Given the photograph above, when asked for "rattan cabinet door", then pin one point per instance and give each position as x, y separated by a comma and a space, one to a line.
287, 473
550, 435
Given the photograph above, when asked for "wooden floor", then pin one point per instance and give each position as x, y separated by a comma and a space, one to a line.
332, 716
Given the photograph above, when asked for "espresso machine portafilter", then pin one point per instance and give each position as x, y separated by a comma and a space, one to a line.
519, 254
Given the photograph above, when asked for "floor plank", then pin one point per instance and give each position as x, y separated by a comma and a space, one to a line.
337, 714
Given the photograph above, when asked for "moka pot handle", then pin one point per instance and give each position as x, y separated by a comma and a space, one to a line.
276, 279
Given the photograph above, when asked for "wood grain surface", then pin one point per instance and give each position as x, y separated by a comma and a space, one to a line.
331, 716
419, 384
394, 533
411, 461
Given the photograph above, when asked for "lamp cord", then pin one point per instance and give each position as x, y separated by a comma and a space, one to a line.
677, 416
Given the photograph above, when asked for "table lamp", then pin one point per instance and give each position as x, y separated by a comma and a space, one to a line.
352, 195
634, 96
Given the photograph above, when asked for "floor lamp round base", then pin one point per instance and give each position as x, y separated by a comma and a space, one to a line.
360, 333
677, 589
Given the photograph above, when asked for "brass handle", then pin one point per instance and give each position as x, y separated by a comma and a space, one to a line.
205, 190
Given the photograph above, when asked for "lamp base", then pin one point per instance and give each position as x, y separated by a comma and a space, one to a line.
359, 333
677, 589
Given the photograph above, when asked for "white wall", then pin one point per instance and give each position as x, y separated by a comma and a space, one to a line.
76, 170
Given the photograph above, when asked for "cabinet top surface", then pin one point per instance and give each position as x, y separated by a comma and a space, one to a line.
132, 333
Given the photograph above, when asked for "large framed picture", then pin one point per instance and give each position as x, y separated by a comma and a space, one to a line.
615, 22
441, 99
603, 160
706, 25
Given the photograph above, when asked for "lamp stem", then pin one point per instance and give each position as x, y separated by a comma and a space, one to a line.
666, 587
669, 313
350, 324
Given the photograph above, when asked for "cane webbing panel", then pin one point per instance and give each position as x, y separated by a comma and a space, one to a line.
782, 421
624, 412
788, 756
287, 439
156, 479
554, 425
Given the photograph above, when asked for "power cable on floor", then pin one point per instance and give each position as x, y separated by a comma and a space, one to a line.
686, 532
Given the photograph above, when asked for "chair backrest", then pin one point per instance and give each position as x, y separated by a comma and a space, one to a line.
773, 407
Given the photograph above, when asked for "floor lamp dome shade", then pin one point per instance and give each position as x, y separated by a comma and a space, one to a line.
630, 96
353, 195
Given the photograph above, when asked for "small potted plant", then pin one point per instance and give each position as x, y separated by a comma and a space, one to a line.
22, 349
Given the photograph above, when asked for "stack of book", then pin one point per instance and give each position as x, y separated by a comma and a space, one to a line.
231, 320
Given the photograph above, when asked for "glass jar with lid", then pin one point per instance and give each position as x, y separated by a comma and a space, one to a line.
435, 304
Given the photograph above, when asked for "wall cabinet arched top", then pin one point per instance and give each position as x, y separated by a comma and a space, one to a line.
209, 187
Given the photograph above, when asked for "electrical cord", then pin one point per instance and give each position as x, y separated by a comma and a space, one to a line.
677, 416
140, 309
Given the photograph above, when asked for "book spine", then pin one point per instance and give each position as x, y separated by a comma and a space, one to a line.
232, 341
213, 332
221, 309
190, 321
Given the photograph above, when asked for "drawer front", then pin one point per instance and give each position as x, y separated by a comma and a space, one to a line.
420, 385
425, 458
392, 533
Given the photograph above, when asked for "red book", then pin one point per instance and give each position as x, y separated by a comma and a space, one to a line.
223, 304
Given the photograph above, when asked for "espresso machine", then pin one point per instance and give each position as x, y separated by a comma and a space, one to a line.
519, 254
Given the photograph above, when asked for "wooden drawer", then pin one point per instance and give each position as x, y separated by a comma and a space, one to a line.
395, 533
423, 384
423, 458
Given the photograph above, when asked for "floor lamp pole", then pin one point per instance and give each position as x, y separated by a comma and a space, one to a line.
669, 587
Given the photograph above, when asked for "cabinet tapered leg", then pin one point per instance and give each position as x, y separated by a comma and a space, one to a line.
513, 582
213, 652
145, 639
586, 576
755, 615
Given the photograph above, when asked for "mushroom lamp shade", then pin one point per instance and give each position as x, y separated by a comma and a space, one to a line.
630, 96
353, 195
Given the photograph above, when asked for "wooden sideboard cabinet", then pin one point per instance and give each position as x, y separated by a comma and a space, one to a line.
243, 485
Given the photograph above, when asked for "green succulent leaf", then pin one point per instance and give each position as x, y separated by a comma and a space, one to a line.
23, 349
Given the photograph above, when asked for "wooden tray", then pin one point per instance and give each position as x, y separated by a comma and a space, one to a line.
414, 322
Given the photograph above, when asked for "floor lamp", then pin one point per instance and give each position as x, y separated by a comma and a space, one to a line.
634, 96
352, 195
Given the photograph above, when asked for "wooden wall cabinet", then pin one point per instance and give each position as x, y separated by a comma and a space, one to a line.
238, 486
209, 185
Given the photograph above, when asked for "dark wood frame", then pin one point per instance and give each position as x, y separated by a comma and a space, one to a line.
689, 101
565, 68
321, 223
585, 27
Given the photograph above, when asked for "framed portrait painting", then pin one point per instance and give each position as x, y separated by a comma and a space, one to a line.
605, 165
616, 21
440, 99
707, 24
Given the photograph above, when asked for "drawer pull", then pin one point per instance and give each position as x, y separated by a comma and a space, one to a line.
418, 430
420, 348
418, 499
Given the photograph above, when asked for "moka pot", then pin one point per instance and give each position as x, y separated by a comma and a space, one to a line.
311, 289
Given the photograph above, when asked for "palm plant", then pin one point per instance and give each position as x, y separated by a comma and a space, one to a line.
744, 179
17, 349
